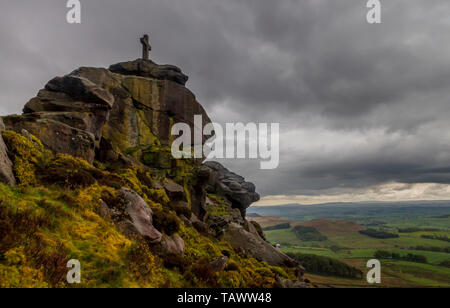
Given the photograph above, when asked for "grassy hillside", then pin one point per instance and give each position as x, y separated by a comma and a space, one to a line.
55, 215
347, 245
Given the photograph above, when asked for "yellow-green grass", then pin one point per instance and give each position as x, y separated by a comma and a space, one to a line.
399, 274
347, 245
354, 240
283, 237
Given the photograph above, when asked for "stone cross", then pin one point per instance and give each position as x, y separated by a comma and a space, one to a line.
146, 48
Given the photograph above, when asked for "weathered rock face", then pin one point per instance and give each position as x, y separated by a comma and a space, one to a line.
6, 171
141, 215
148, 68
57, 136
170, 246
134, 217
243, 236
127, 110
232, 186
199, 194
174, 191
241, 239
81, 89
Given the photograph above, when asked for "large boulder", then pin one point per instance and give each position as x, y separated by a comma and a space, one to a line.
170, 246
55, 135
174, 191
81, 89
133, 215
220, 264
75, 101
148, 68
144, 111
6, 166
68, 116
246, 242
127, 111
232, 186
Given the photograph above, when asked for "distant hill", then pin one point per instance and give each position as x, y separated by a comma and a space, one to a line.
332, 227
268, 221
253, 215
351, 211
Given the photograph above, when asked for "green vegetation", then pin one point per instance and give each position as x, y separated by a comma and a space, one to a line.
374, 224
58, 226
54, 215
437, 237
443, 216
347, 245
383, 254
417, 229
309, 234
278, 227
284, 237
219, 206
389, 215
378, 234
326, 266
435, 249
445, 263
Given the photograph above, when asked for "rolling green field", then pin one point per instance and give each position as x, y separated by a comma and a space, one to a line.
356, 250
346, 244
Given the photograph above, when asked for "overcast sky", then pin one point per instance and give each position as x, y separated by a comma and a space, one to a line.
363, 109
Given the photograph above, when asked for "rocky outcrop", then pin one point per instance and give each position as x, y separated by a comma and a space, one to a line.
120, 120
133, 215
232, 186
170, 246
199, 194
174, 191
246, 242
82, 89
199, 225
125, 111
243, 235
55, 135
6, 166
149, 69
141, 216
220, 264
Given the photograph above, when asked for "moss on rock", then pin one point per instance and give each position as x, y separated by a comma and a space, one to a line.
26, 155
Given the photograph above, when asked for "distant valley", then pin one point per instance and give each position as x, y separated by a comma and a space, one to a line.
335, 241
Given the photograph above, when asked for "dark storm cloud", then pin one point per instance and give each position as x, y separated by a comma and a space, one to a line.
357, 104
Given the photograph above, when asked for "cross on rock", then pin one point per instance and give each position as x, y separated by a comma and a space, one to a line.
146, 48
